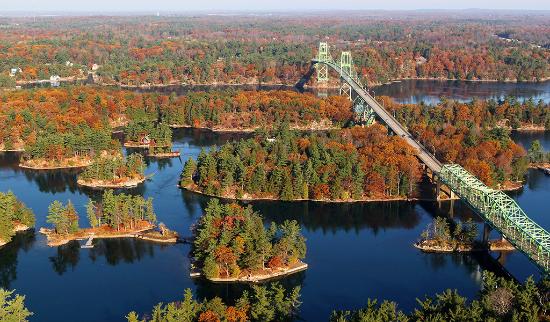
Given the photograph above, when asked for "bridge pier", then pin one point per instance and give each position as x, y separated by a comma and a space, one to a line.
486, 232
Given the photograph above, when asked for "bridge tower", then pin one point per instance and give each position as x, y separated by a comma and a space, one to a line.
322, 69
363, 113
346, 65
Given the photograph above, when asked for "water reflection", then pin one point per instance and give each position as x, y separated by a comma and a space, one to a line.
9, 253
67, 256
123, 250
333, 217
115, 251
430, 91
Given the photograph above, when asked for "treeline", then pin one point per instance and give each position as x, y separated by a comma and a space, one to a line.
12, 214
64, 218
51, 123
251, 109
499, 299
198, 50
155, 133
115, 168
537, 154
469, 134
78, 141
120, 211
509, 113
230, 240
262, 303
440, 233
116, 211
352, 164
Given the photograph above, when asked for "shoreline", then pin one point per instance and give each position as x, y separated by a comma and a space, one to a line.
389, 199
55, 240
53, 167
257, 278
131, 144
301, 200
253, 129
497, 245
17, 228
100, 184
168, 155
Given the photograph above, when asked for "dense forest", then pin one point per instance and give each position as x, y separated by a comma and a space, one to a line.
474, 134
499, 299
351, 164
230, 241
262, 303
245, 110
56, 123
239, 49
13, 213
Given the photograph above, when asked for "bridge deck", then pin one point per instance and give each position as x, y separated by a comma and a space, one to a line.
495, 207
426, 157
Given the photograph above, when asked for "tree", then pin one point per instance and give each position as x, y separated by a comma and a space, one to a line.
12, 308
188, 172
536, 152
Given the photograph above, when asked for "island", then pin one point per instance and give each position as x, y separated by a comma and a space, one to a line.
231, 244
14, 217
438, 237
73, 149
114, 172
117, 216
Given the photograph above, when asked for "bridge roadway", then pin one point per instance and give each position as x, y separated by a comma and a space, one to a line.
495, 207
424, 155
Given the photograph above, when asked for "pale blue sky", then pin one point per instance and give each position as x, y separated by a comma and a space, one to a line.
239, 5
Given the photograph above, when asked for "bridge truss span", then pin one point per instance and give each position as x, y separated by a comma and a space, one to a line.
501, 212
495, 207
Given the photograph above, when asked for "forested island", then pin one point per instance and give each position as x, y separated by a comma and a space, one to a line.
264, 303
75, 148
440, 237
231, 244
14, 217
116, 216
114, 172
355, 164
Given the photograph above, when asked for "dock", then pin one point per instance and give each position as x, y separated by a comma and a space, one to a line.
89, 243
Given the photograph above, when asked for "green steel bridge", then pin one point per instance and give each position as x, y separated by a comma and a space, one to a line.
500, 211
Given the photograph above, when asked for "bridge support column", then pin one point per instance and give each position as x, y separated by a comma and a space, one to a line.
486, 232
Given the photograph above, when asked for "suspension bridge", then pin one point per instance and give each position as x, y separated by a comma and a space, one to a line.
498, 210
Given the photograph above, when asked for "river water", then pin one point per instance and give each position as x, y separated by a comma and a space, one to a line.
355, 251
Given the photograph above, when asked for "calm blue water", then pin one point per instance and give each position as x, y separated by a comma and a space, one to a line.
430, 92
355, 251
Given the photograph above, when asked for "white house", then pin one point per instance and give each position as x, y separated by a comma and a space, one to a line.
14, 71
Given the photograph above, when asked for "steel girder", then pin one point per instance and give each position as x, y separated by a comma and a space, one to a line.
502, 213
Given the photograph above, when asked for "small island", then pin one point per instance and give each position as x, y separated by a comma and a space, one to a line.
231, 244
75, 149
114, 172
14, 217
438, 238
117, 216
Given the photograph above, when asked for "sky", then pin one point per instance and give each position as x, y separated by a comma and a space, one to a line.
262, 5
